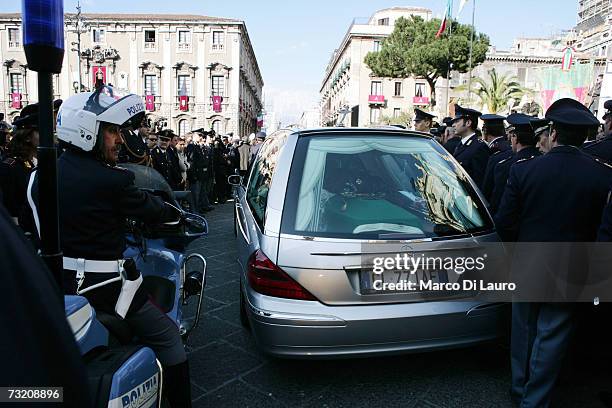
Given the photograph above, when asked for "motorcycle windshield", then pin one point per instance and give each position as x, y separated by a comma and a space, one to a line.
147, 178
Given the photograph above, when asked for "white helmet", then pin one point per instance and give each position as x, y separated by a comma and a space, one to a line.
80, 116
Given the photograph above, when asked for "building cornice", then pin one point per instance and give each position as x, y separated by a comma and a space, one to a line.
137, 18
538, 59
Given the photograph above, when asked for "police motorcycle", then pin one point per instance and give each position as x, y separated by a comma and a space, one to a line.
122, 372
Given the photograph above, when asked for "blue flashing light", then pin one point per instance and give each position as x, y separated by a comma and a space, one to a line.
43, 23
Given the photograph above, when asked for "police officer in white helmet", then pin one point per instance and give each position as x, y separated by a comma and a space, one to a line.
95, 197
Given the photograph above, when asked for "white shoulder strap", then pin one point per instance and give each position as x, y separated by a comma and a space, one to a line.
31, 202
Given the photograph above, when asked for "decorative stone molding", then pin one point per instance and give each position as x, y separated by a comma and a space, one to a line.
183, 67
149, 67
219, 68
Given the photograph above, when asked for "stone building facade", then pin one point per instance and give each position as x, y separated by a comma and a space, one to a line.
350, 87
192, 71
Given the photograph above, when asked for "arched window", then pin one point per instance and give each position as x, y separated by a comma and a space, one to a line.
183, 127
216, 126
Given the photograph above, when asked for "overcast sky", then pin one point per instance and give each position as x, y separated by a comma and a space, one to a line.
293, 40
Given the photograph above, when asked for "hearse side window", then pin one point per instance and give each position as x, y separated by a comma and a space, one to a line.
261, 176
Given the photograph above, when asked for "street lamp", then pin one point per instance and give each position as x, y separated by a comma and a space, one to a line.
43, 41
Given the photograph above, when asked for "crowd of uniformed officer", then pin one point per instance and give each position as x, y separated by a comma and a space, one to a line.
544, 183
198, 162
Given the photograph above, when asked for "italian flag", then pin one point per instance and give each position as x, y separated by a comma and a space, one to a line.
447, 16
568, 59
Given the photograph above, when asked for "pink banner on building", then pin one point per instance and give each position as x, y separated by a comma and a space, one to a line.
150, 102
420, 100
376, 99
16, 100
216, 102
184, 103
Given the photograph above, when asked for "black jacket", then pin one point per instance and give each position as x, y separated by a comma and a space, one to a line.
161, 162
473, 157
601, 149
502, 171
500, 149
452, 143
197, 160
175, 177
558, 197
14, 178
605, 229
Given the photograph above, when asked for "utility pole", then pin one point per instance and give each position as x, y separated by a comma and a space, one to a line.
471, 54
450, 64
80, 28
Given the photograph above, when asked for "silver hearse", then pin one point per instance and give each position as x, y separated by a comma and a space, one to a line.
315, 204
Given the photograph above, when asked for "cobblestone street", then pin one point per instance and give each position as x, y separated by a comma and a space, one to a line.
227, 370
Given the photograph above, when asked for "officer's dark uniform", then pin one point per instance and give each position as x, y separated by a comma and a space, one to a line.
500, 149
519, 123
602, 149
176, 180
37, 346
196, 174
473, 155
208, 176
452, 144
161, 162
558, 197
3, 140
605, 229
234, 158
221, 170
15, 174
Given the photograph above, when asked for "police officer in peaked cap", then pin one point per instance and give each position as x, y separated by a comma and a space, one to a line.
541, 130
523, 146
422, 120
494, 133
472, 153
160, 158
602, 148
557, 197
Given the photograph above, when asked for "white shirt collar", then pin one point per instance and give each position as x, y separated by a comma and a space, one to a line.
466, 138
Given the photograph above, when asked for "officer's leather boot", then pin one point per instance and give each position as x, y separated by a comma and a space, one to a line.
177, 385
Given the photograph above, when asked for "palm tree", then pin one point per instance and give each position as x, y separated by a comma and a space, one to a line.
496, 91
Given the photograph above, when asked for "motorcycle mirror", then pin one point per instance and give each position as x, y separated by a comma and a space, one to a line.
195, 226
235, 180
